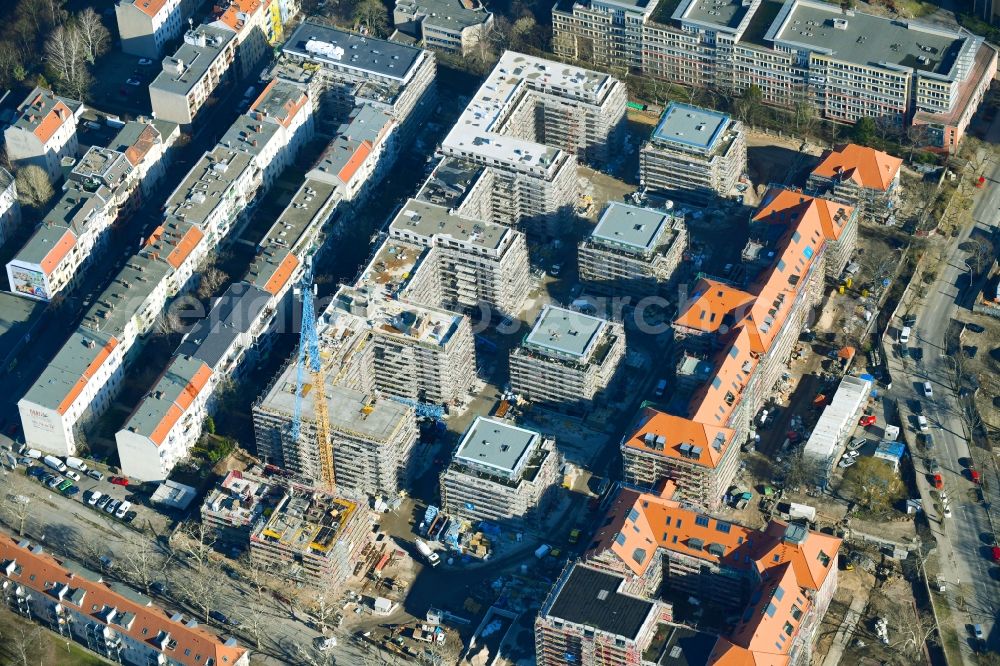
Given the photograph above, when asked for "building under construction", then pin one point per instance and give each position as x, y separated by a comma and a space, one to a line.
589, 620
312, 537
237, 504
372, 438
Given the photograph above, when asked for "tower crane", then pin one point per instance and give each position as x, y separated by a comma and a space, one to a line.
309, 356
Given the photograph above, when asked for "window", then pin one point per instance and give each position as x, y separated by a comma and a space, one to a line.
824, 558
796, 612
724, 527
789, 629
620, 539
771, 610
669, 518
777, 558
701, 520
632, 515
779, 593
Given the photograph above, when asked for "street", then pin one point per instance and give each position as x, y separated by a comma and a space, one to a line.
960, 538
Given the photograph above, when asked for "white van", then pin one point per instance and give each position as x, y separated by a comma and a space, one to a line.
54, 463
76, 464
904, 335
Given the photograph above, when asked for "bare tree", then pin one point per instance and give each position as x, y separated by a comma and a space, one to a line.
93, 35
211, 279
980, 254
24, 643
33, 186
203, 589
373, 16
15, 511
198, 541
139, 561
66, 55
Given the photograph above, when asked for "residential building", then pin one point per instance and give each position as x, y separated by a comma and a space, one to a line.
590, 620
701, 460
155, 437
312, 537
192, 74
147, 145
476, 266
103, 186
147, 26
392, 76
361, 152
501, 474
10, 207
799, 51
839, 223
455, 26
632, 252
566, 359
420, 352
372, 438
83, 378
528, 124
778, 580
105, 617
234, 507
694, 155
43, 132
258, 25
859, 176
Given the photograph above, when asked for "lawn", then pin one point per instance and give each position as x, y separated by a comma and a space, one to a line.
17, 635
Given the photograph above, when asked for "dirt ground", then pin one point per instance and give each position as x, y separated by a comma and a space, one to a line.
779, 160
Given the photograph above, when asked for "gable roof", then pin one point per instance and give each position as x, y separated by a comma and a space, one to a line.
712, 304
41, 572
700, 439
785, 206
869, 168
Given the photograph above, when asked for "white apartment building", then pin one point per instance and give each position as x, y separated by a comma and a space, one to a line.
566, 359
43, 132
469, 265
847, 64
192, 74
155, 437
694, 155
632, 252
147, 26
10, 208
121, 626
455, 26
501, 473
360, 153
78, 386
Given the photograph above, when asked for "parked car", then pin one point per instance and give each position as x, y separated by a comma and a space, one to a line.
129, 516
119, 480
55, 481
103, 502
70, 474
932, 466
66, 483
856, 443
928, 440
867, 420
847, 461
122, 509
938, 482
112, 506
71, 491
95, 496
134, 82
947, 511
922, 423
145, 62
928, 390
94, 474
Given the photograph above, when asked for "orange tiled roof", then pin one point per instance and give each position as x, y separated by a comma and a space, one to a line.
869, 168
58, 252
96, 363
185, 247
181, 403
727, 653
52, 121
715, 400
279, 278
679, 431
785, 206
149, 7
231, 15
138, 150
40, 571
347, 172
712, 304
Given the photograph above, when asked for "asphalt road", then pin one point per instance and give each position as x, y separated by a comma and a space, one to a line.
963, 552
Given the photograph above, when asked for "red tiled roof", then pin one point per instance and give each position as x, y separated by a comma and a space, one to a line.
361, 153
58, 252
869, 168
195, 645
678, 431
92, 367
52, 121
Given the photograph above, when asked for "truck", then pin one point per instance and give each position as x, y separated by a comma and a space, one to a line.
77, 464
542, 550
54, 463
432, 558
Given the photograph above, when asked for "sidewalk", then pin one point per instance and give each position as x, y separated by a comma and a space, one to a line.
845, 631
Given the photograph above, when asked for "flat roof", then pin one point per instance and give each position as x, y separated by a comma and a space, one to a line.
344, 406
690, 126
726, 14
450, 14
565, 332
203, 187
396, 318
430, 220
194, 59
686, 647
866, 39
477, 131
349, 51
631, 226
590, 598
232, 315
450, 181
496, 444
